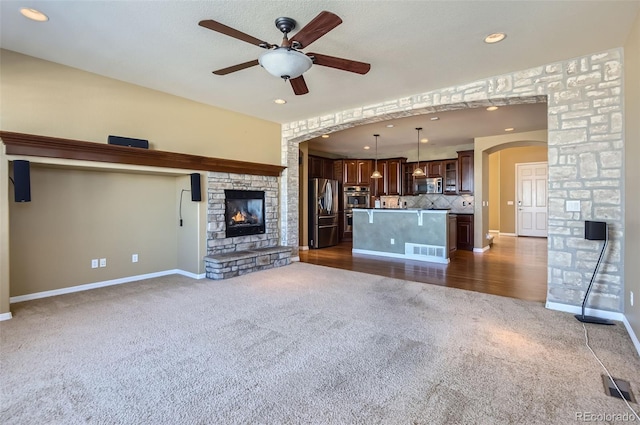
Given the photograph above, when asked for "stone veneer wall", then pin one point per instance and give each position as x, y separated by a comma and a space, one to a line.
217, 242
586, 144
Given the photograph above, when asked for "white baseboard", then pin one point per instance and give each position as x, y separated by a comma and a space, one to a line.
611, 315
483, 249
189, 274
506, 234
5, 316
304, 248
494, 231
87, 286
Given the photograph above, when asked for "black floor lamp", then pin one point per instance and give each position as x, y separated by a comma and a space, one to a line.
595, 231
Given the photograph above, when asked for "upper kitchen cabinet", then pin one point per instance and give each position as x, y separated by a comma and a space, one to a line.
434, 169
364, 172
465, 172
450, 178
392, 176
321, 168
356, 172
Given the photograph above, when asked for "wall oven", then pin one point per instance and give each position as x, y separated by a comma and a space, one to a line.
356, 197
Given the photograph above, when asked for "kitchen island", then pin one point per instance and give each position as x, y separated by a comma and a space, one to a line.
416, 234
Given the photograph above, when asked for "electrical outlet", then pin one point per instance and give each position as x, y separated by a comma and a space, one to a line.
94, 263
393, 241
134, 258
103, 262
631, 298
572, 206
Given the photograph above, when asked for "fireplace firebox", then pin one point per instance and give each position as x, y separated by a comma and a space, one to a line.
244, 212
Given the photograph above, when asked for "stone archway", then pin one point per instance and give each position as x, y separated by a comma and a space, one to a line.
586, 143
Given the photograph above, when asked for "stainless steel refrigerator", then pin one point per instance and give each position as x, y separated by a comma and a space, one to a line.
323, 213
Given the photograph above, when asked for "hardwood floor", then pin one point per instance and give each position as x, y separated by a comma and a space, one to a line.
514, 267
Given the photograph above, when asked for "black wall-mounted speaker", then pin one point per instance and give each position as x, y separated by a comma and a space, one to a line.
196, 193
128, 141
22, 181
595, 230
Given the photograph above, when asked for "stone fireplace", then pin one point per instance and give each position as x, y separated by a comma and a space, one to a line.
242, 225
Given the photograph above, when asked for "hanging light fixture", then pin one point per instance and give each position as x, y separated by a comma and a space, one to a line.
376, 174
418, 172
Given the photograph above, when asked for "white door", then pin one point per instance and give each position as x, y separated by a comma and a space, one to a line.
531, 193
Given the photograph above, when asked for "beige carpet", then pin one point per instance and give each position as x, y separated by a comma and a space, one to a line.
302, 344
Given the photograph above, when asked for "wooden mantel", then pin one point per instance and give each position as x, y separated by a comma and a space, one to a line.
53, 147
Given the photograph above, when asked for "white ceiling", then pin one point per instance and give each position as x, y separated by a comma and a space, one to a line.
412, 46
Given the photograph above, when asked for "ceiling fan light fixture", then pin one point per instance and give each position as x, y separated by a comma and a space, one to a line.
285, 63
33, 14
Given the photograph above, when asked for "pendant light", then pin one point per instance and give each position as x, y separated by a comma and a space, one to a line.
376, 174
418, 172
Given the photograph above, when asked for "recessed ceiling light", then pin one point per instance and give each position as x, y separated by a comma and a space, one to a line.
367, 148
390, 125
492, 108
34, 14
434, 118
495, 37
280, 101
425, 140
509, 129
325, 136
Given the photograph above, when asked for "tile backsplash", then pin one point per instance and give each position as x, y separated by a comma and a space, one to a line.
461, 204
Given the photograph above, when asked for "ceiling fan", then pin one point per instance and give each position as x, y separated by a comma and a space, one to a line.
287, 61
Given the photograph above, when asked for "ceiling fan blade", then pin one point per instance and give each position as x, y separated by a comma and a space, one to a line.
319, 26
231, 32
299, 85
238, 67
340, 63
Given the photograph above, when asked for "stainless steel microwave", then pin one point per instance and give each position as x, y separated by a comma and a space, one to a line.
428, 185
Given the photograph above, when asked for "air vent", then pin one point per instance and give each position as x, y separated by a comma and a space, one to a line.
625, 388
423, 251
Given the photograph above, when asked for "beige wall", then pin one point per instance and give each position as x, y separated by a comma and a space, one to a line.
506, 161
632, 176
77, 215
45, 98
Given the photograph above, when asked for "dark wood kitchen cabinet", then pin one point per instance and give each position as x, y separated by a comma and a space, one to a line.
434, 169
465, 231
356, 172
350, 172
450, 177
465, 172
364, 172
320, 167
391, 181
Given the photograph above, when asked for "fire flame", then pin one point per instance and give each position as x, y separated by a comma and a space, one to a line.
238, 217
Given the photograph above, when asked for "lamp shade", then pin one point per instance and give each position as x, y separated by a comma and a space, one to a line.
376, 175
418, 172
285, 63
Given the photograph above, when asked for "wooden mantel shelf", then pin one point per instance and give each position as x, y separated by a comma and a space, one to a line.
53, 147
